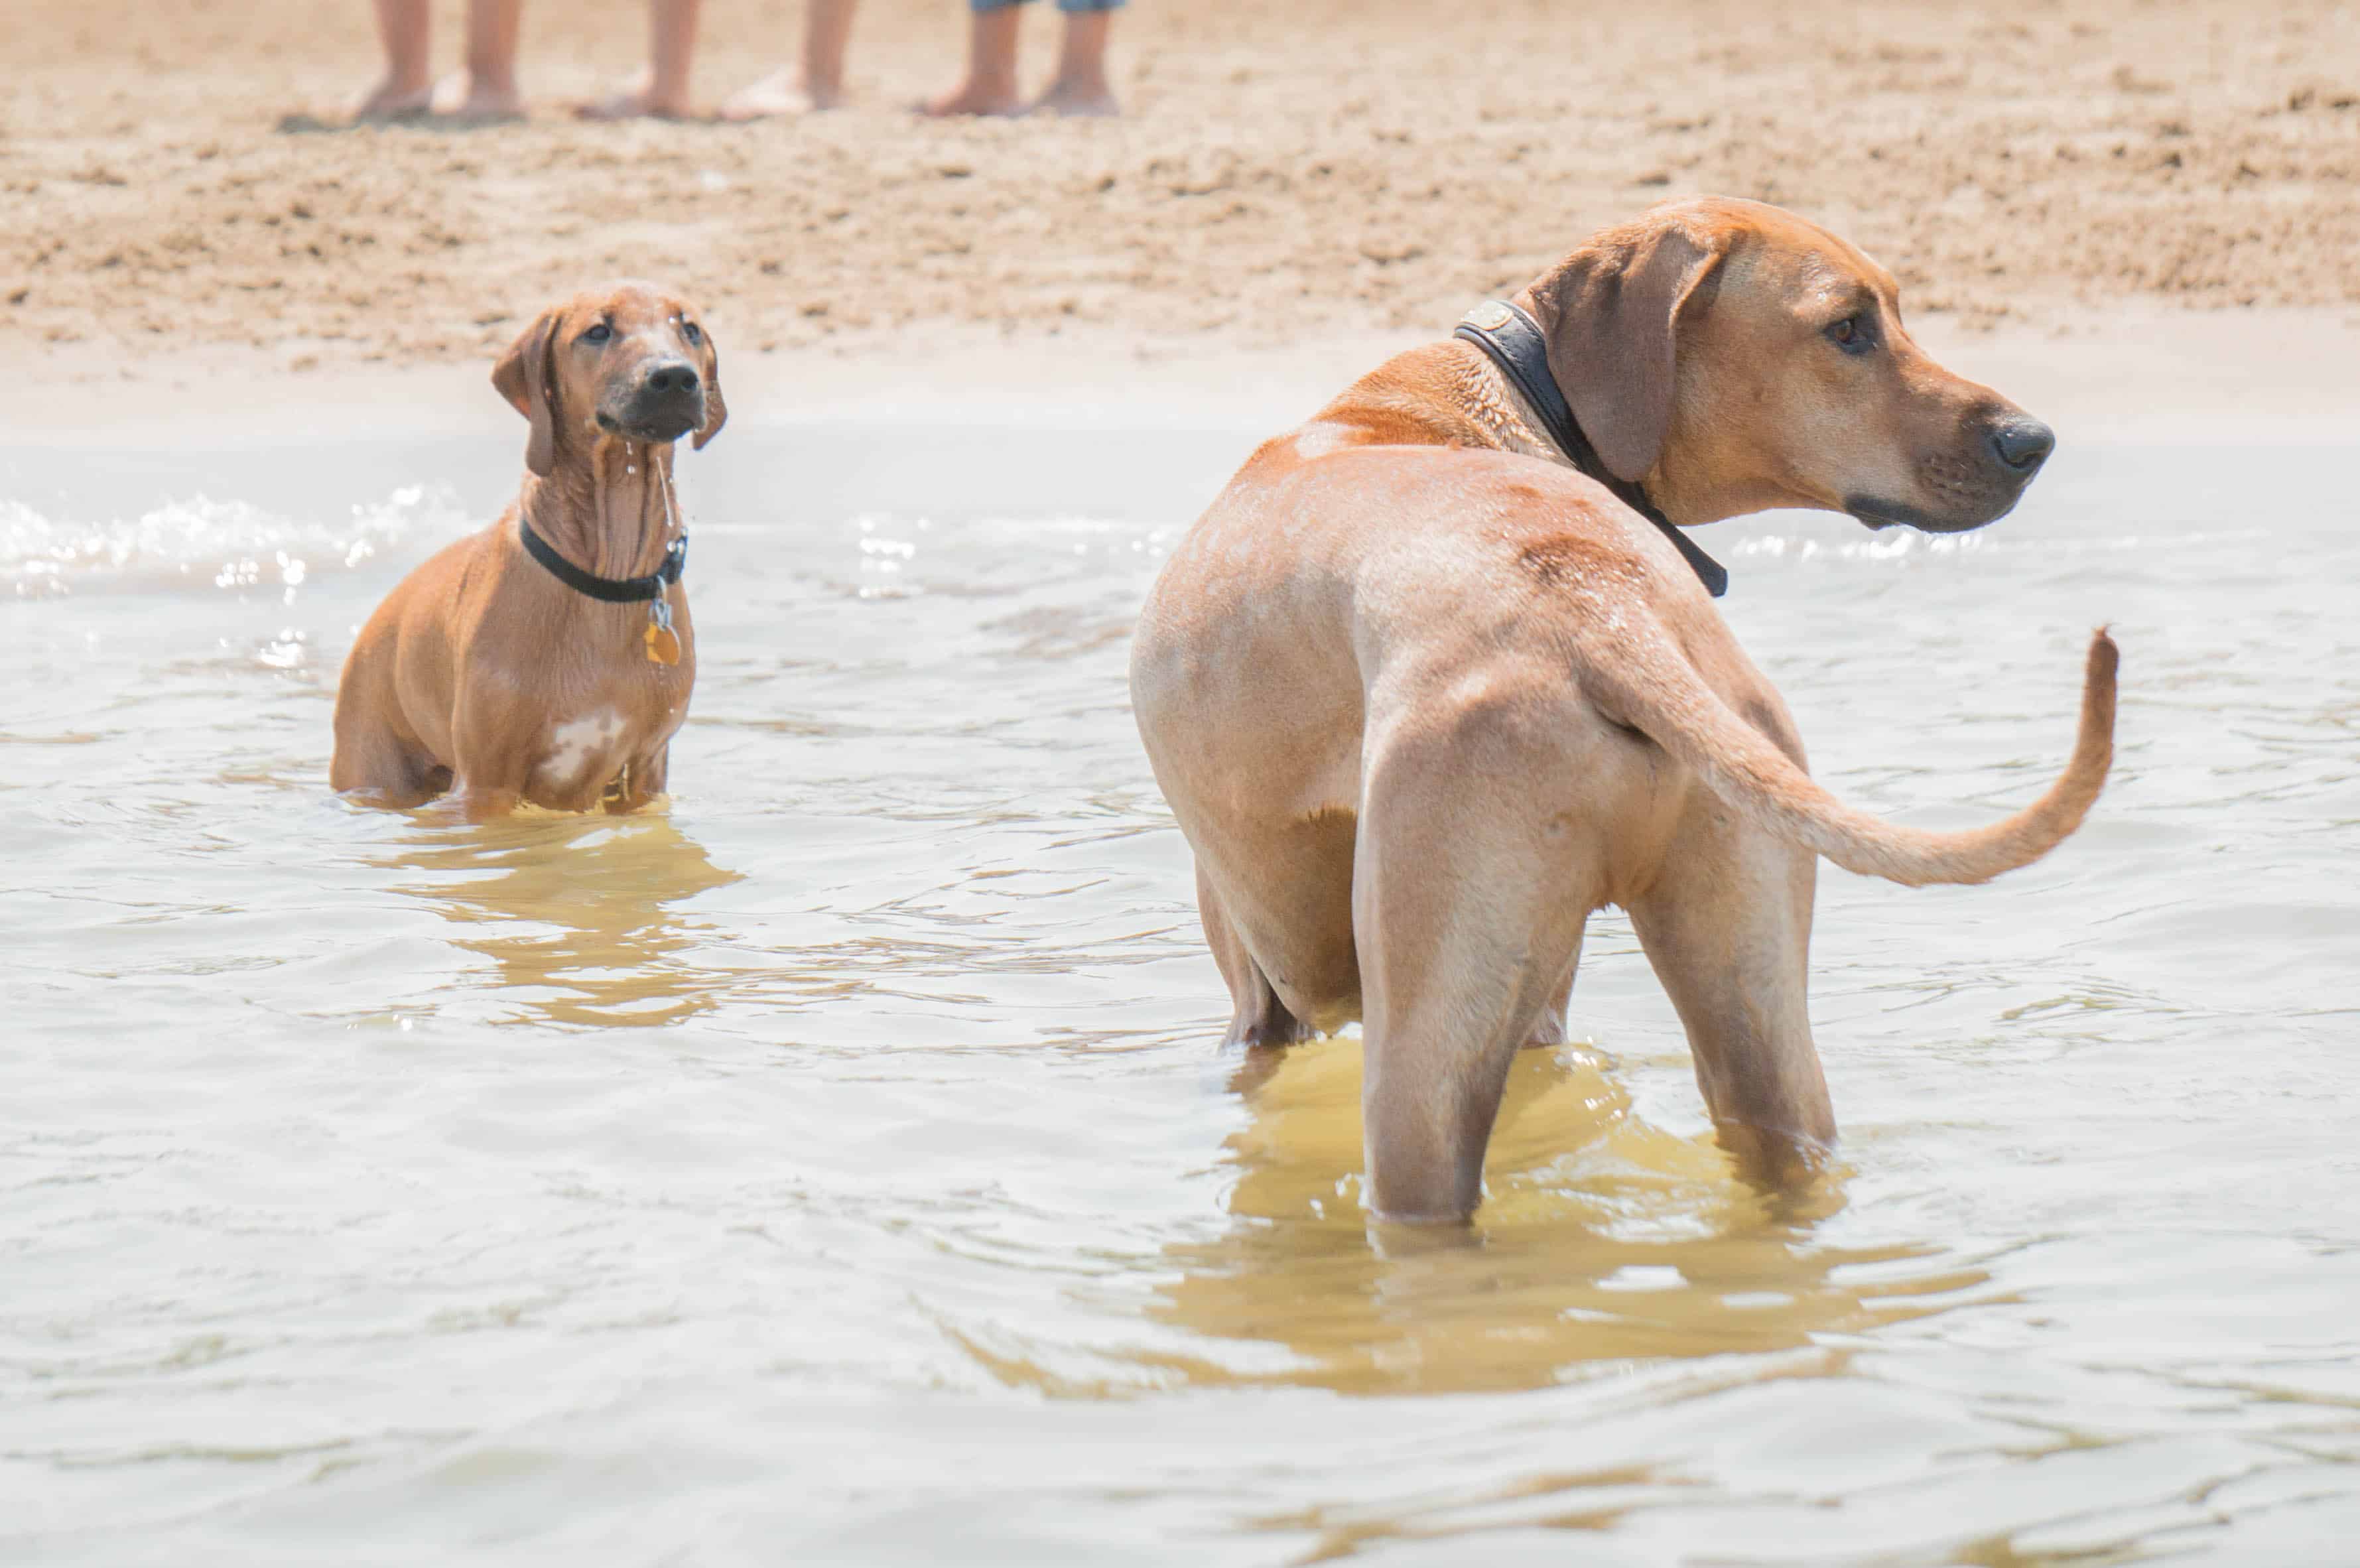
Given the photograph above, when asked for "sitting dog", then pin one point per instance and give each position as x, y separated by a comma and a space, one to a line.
1436, 676
550, 658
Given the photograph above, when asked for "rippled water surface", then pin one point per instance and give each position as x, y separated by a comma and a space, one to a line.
838, 1166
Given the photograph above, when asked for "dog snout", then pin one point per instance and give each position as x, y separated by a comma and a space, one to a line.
661, 402
674, 379
2022, 443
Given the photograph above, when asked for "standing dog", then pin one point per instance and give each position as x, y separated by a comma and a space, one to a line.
550, 658
1421, 702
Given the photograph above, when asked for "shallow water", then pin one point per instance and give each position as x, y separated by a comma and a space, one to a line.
838, 1166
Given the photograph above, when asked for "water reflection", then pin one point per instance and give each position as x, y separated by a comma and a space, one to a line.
1602, 1239
578, 911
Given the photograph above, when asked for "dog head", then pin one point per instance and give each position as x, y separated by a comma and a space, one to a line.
630, 363
1733, 357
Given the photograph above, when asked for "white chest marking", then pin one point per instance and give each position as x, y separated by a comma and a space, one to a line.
576, 743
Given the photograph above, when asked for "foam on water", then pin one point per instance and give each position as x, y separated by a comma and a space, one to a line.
199, 543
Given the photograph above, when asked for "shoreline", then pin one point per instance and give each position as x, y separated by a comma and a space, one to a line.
2136, 373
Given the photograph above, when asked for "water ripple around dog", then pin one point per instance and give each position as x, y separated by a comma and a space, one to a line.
837, 1165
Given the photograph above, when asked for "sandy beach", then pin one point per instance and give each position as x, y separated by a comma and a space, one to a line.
838, 1164
1288, 176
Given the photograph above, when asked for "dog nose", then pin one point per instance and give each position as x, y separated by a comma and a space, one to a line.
678, 376
2023, 443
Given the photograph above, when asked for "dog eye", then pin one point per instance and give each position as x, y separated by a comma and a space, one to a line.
1852, 335
692, 331
598, 334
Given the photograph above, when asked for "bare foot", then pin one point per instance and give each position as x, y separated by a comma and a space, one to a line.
474, 102
391, 100
973, 98
776, 95
638, 101
1083, 100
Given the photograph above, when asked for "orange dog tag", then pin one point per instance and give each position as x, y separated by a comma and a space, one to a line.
664, 644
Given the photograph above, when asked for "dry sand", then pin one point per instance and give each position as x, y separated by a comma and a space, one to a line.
1289, 174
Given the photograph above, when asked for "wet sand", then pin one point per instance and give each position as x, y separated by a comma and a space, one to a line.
1287, 175
2133, 374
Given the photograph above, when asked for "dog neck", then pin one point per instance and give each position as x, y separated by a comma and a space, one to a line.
1514, 345
1508, 424
1441, 394
608, 508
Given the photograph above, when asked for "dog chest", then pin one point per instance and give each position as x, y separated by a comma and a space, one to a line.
582, 750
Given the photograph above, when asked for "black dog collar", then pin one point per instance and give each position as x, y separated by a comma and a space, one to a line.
614, 590
1512, 341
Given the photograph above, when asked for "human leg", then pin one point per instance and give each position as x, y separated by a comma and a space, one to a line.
491, 60
827, 32
662, 91
405, 29
990, 85
1081, 86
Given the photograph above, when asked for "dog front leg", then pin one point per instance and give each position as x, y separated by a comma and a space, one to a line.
484, 803
1257, 1017
641, 782
1549, 1031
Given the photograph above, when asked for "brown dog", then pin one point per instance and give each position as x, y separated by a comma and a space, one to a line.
1421, 702
550, 658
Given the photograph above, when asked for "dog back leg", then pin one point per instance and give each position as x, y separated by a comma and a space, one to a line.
1727, 926
1470, 892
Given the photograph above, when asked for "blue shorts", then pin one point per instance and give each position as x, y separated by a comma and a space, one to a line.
1065, 5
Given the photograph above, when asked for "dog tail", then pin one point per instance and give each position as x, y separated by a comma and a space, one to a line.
1664, 700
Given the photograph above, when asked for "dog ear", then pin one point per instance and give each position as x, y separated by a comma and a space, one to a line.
1611, 312
716, 411
524, 378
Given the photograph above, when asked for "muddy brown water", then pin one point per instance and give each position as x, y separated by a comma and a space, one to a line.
838, 1166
